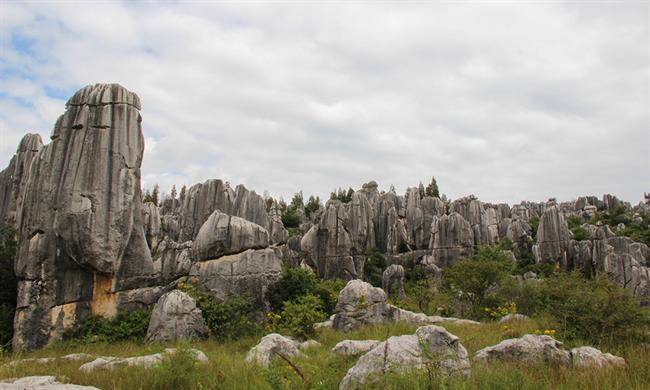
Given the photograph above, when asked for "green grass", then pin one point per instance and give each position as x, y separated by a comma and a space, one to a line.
322, 370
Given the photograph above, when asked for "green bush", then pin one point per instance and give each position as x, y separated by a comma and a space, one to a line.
290, 218
579, 233
313, 204
126, 326
227, 319
374, 267
476, 281
299, 316
595, 310
534, 224
9, 285
296, 283
179, 371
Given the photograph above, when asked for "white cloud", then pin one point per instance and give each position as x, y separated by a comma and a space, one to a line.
509, 102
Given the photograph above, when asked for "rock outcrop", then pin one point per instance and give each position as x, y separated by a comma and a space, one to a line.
553, 237
81, 228
223, 234
452, 238
271, 345
589, 357
40, 383
430, 345
360, 303
393, 274
527, 349
176, 317
13, 179
146, 361
152, 227
354, 347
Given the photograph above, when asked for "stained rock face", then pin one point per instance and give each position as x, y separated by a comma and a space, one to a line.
430, 344
452, 238
81, 228
247, 273
152, 227
176, 317
172, 260
14, 178
222, 234
527, 349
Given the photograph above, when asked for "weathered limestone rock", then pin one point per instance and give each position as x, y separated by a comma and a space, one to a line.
40, 383
81, 229
519, 233
354, 347
248, 273
527, 349
513, 318
175, 317
361, 226
553, 237
222, 234
146, 361
429, 345
452, 238
589, 357
152, 227
172, 260
74, 357
394, 273
13, 179
270, 345
359, 304
204, 198
329, 245
277, 233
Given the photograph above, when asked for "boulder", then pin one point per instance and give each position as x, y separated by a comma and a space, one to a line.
40, 383
359, 304
146, 361
513, 318
222, 234
175, 317
430, 346
81, 233
354, 347
527, 349
249, 273
172, 260
589, 357
270, 345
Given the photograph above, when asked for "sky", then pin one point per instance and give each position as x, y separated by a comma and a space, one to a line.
509, 101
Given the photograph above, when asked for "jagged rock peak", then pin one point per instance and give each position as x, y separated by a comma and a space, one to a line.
102, 94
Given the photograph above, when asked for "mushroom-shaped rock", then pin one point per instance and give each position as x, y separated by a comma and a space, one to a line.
175, 317
359, 304
429, 345
589, 357
354, 347
527, 349
223, 234
270, 345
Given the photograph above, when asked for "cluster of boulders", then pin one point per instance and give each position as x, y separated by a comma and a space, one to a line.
89, 245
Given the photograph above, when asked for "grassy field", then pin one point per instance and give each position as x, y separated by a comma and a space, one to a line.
322, 370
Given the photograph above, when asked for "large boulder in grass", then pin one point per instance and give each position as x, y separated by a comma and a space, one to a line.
40, 383
275, 344
589, 357
175, 317
430, 345
360, 303
354, 347
527, 349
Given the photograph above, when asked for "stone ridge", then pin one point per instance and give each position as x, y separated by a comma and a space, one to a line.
103, 94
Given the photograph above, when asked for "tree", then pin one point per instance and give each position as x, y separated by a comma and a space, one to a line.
297, 201
432, 189
155, 194
312, 205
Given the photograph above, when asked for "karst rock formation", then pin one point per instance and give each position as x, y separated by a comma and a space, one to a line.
88, 244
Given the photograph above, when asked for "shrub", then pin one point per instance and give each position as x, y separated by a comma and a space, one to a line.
299, 316
178, 371
126, 326
9, 285
477, 280
595, 310
297, 282
374, 267
290, 218
579, 233
227, 319
534, 224
312, 206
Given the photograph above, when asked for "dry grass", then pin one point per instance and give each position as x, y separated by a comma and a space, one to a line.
227, 369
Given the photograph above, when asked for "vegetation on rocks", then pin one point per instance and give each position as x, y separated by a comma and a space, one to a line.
8, 283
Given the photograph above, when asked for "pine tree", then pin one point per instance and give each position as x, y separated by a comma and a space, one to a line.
432, 189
